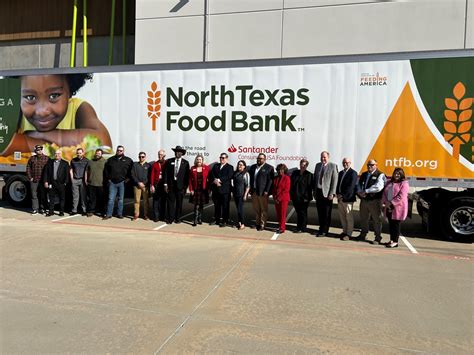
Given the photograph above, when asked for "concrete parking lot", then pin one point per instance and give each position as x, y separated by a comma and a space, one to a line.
83, 285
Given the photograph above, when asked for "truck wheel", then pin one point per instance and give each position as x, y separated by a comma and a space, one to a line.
18, 191
458, 219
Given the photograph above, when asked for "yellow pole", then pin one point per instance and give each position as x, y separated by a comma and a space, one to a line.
84, 34
73, 41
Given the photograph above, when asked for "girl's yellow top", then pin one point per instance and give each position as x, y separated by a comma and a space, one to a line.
68, 121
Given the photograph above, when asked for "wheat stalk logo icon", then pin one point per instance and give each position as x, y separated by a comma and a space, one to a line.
154, 104
458, 115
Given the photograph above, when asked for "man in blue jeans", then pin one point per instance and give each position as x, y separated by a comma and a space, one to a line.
117, 171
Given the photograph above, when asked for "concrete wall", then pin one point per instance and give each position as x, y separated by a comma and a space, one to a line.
199, 30
470, 24
55, 53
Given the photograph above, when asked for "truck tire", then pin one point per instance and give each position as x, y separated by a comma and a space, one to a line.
458, 219
17, 190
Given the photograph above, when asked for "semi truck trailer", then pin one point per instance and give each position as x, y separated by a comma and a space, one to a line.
413, 113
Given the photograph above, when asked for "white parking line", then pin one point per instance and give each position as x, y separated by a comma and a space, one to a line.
186, 215
409, 246
276, 235
159, 227
63, 218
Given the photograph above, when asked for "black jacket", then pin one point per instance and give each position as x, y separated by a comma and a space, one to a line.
62, 174
347, 187
301, 186
182, 179
225, 175
264, 179
118, 169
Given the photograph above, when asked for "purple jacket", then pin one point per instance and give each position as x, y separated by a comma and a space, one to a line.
399, 199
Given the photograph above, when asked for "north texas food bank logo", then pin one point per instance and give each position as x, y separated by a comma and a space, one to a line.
154, 104
458, 119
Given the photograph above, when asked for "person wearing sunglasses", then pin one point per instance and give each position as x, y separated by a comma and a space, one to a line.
141, 185
117, 171
175, 182
370, 190
220, 179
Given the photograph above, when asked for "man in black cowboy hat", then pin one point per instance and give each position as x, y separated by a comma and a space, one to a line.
176, 179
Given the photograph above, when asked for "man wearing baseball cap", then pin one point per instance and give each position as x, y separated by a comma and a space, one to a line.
34, 172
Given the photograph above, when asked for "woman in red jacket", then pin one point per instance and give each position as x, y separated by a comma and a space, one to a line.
199, 194
281, 195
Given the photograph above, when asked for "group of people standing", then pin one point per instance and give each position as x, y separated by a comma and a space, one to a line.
168, 180
378, 197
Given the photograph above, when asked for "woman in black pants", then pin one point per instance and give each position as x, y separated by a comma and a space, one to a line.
240, 190
395, 203
301, 194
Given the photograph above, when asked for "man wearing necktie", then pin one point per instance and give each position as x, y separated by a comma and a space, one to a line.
370, 190
176, 179
346, 196
55, 177
220, 179
324, 186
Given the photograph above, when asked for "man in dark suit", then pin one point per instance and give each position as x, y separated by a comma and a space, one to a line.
56, 176
346, 196
325, 181
176, 180
261, 177
220, 178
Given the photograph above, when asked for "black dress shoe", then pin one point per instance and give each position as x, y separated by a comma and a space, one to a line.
61, 214
258, 228
169, 222
106, 217
120, 217
222, 225
177, 221
49, 214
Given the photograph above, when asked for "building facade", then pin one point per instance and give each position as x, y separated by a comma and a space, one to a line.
38, 34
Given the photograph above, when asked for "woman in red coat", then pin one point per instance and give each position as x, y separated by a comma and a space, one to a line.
281, 195
198, 189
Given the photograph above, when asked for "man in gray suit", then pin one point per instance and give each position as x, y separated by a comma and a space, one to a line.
324, 187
